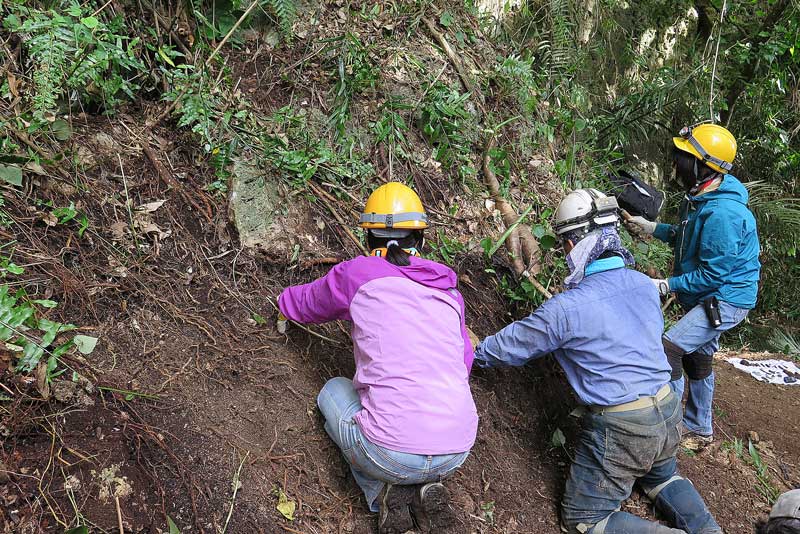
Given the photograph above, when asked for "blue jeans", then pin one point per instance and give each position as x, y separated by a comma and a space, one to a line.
373, 466
694, 334
615, 451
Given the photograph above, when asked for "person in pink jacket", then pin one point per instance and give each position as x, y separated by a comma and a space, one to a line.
407, 419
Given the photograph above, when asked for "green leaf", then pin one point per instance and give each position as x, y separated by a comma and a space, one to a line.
11, 174
285, 506
13, 268
446, 19
539, 231
259, 319
173, 528
165, 57
45, 303
558, 439
12, 22
61, 130
90, 22
83, 529
580, 125
547, 241
85, 344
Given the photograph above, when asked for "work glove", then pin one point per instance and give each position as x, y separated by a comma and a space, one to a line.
662, 285
647, 227
282, 323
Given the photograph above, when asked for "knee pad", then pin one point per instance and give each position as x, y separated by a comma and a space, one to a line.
675, 355
698, 366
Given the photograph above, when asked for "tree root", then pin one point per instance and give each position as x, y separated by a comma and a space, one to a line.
522, 246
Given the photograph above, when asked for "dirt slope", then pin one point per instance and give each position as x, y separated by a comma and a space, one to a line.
183, 315
178, 324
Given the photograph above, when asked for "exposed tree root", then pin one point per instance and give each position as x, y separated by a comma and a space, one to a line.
521, 243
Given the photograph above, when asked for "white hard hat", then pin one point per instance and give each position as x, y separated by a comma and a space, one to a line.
585, 209
787, 505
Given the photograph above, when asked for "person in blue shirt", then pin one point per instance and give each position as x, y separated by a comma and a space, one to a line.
716, 268
605, 332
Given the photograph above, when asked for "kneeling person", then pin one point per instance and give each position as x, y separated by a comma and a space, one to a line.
605, 332
407, 419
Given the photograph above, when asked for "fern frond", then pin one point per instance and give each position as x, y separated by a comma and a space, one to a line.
286, 13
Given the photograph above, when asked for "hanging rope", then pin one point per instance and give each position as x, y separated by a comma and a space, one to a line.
714, 68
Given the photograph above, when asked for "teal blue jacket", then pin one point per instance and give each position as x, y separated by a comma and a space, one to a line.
716, 247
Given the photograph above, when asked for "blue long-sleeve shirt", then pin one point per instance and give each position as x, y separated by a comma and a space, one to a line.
605, 333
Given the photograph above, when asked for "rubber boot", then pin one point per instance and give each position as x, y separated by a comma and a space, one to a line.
625, 523
681, 505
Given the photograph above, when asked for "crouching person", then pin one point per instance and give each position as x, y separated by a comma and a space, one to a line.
605, 332
784, 517
407, 419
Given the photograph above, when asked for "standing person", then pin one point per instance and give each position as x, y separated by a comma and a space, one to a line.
605, 332
407, 419
716, 269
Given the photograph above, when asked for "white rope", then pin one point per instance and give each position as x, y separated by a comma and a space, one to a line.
716, 54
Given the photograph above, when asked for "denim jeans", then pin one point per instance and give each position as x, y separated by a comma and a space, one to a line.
617, 450
694, 334
372, 465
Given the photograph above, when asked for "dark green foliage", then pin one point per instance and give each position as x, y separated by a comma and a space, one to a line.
286, 13
445, 121
76, 56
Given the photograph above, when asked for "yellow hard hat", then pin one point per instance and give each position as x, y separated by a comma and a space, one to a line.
711, 143
394, 205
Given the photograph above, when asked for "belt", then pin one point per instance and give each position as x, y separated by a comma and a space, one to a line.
638, 404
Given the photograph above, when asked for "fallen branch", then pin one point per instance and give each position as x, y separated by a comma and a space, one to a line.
119, 515
520, 241
321, 195
307, 264
455, 60
236, 485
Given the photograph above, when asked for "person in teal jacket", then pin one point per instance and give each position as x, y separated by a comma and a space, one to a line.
716, 269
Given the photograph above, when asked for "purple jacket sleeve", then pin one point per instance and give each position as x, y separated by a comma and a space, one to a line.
325, 299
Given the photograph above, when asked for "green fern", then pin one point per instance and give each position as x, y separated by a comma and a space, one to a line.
286, 13
562, 47
50, 44
76, 54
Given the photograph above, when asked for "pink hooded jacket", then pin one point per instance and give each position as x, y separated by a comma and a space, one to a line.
412, 351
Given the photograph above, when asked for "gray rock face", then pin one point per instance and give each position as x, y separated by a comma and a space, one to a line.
262, 210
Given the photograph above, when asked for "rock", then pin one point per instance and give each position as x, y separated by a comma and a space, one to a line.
263, 213
70, 393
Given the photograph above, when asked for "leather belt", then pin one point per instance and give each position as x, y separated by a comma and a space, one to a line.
638, 404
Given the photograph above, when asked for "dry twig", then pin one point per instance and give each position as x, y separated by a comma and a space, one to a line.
455, 60
345, 227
